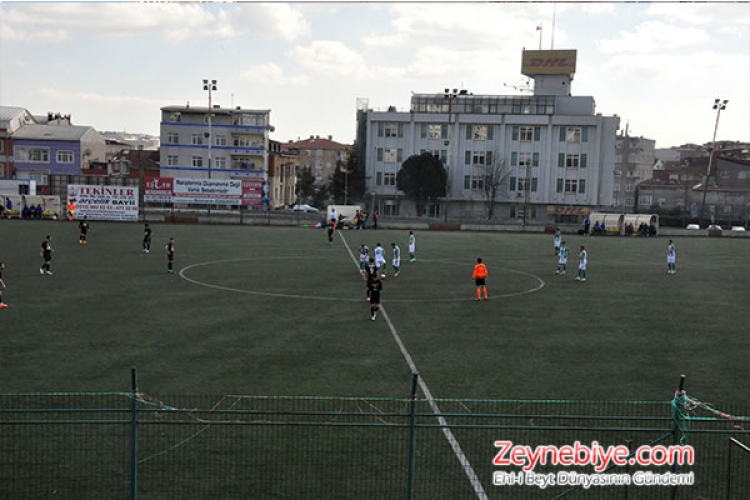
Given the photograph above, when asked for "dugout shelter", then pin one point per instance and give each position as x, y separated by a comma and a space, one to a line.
613, 223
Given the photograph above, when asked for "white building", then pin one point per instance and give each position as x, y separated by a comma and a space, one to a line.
634, 162
234, 145
551, 153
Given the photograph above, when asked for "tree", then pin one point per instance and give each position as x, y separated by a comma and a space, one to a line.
305, 188
422, 177
494, 179
349, 186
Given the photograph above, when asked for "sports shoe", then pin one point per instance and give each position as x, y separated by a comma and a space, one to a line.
41, 271
373, 317
557, 272
578, 278
563, 272
49, 272
3, 305
583, 279
147, 250
171, 271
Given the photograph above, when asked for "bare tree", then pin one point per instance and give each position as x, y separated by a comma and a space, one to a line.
495, 175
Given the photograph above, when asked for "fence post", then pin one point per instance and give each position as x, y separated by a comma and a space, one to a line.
412, 437
680, 393
133, 435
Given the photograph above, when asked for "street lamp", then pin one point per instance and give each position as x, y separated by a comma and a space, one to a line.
142, 185
539, 29
209, 85
719, 106
450, 95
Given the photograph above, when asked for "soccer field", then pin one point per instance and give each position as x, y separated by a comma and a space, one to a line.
279, 311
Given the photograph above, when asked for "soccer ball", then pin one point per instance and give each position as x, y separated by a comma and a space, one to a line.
382, 276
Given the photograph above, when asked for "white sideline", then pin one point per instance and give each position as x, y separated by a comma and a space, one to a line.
465, 464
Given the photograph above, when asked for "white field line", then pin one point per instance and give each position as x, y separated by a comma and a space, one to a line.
465, 464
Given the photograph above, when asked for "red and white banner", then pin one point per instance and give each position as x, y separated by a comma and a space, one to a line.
104, 202
244, 192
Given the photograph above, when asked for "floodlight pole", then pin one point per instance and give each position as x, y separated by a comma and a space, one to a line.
719, 106
450, 95
209, 85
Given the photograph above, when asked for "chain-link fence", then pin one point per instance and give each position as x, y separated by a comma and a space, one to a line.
129, 445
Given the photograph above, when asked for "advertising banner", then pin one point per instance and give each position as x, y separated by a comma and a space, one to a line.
157, 190
252, 193
207, 191
104, 202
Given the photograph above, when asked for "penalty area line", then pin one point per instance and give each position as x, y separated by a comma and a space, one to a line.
455, 446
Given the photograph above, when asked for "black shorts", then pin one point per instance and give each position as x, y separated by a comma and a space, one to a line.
375, 297
47, 256
479, 281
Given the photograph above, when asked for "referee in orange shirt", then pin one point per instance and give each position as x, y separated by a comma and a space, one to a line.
480, 276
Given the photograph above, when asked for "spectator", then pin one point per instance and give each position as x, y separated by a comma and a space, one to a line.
38, 212
26, 212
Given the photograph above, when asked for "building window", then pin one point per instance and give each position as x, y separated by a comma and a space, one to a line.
390, 129
616, 188
560, 185
220, 162
583, 160
197, 139
390, 156
379, 154
65, 156
582, 186
389, 179
573, 134
724, 174
197, 161
473, 183
512, 184
628, 202
628, 187
434, 131
220, 140
742, 174
727, 209
441, 154
389, 208
172, 160
242, 141
173, 138
479, 132
571, 160
478, 158
645, 200
571, 186
524, 159
32, 155
379, 179
526, 134
513, 159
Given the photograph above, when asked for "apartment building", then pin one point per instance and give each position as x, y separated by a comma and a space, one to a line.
12, 118
283, 163
320, 155
227, 143
550, 154
634, 162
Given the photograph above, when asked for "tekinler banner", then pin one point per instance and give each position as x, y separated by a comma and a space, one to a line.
104, 202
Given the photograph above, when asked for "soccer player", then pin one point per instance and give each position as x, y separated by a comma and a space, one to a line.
558, 239
3, 305
672, 269
412, 247
375, 287
480, 278
364, 257
169, 247
371, 272
146, 238
379, 257
396, 262
582, 261
563, 260
46, 254
83, 226
331, 229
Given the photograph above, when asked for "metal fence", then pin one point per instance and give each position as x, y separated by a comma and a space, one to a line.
131, 445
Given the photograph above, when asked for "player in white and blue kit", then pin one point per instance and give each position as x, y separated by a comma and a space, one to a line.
558, 239
672, 269
412, 247
364, 257
563, 260
380, 257
396, 262
583, 261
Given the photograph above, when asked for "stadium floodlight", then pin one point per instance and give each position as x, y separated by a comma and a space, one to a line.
719, 106
210, 86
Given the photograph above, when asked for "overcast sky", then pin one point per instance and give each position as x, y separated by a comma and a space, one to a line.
658, 65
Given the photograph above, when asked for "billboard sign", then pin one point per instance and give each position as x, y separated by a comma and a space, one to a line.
548, 62
104, 202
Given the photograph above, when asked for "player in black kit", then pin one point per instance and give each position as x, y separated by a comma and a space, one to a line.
146, 239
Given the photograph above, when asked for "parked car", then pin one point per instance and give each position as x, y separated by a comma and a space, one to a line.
714, 227
738, 228
693, 226
305, 208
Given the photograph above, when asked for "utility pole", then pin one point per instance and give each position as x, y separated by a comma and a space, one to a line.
719, 106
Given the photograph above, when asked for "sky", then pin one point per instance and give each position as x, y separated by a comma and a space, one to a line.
657, 65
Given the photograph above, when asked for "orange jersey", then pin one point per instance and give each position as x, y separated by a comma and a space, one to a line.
480, 271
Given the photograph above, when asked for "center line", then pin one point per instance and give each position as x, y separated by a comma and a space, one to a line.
465, 464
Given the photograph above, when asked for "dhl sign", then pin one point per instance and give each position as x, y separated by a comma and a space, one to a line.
548, 62
567, 210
